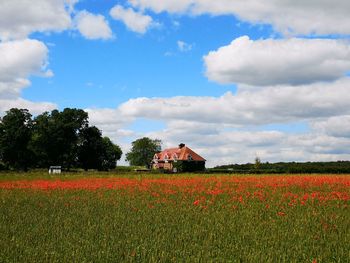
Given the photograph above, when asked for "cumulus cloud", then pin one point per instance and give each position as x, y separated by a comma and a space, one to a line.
337, 126
229, 129
20, 18
276, 104
135, 21
34, 107
113, 123
12, 89
19, 60
110, 121
224, 146
284, 61
93, 26
288, 16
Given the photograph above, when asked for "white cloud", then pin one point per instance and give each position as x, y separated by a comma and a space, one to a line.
23, 57
272, 62
278, 104
241, 146
135, 21
19, 60
93, 26
287, 16
228, 129
12, 89
110, 121
19, 18
183, 46
337, 126
34, 107
172, 6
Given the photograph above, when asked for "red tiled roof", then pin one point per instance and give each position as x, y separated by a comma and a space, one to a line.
181, 154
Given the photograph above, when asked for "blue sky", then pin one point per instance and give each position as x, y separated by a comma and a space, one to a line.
232, 79
133, 65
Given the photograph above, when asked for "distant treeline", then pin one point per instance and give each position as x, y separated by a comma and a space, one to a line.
62, 138
285, 167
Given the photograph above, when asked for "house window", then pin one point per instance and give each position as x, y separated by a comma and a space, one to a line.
175, 157
189, 157
155, 158
166, 157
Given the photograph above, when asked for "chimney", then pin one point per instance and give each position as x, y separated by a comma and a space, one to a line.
181, 145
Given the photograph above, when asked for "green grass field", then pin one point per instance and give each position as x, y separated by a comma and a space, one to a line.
186, 218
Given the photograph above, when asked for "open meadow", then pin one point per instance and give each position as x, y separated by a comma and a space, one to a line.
170, 218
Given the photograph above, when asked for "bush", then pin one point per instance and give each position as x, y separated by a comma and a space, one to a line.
189, 166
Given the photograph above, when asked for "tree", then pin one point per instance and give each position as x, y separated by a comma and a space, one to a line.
15, 135
112, 154
42, 140
257, 163
56, 136
142, 151
91, 148
69, 123
96, 152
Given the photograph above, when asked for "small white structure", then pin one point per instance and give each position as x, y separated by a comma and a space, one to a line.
55, 169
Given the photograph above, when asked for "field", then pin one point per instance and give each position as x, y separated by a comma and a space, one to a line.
186, 218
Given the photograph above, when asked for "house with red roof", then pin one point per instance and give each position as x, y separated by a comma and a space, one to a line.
180, 159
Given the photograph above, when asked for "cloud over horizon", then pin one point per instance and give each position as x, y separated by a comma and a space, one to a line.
250, 106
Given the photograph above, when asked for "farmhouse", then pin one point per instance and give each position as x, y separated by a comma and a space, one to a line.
181, 159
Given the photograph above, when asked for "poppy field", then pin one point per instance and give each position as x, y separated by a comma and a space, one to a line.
187, 218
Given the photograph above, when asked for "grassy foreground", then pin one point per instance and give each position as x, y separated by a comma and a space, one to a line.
189, 218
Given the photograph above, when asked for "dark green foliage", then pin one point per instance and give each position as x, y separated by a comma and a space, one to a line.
57, 138
257, 163
281, 167
42, 142
189, 166
96, 152
142, 151
90, 152
15, 135
111, 154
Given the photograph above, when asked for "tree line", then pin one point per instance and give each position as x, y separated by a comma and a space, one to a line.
285, 167
54, 138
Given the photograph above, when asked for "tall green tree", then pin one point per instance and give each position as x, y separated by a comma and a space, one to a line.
112, 154
91, 148
96, 152
15, 135
142, 151
56, 136
42, 140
